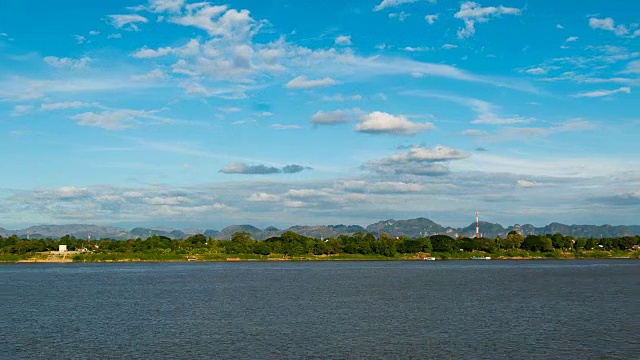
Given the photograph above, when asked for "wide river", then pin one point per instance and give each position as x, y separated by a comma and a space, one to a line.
584, 309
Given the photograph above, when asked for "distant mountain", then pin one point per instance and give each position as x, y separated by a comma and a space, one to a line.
412, 228
319, 232
211, 233
226, 233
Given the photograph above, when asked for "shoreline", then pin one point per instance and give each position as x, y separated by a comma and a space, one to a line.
304, 259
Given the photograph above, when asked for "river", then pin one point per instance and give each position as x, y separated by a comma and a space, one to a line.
548, 309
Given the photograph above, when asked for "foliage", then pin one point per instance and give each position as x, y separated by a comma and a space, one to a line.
290, 245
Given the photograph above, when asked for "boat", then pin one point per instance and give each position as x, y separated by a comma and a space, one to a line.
481, 258
429, 258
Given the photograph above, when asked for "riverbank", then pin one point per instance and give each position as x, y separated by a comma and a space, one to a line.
144, 257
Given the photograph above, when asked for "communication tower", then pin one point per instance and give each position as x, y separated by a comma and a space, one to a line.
477, 226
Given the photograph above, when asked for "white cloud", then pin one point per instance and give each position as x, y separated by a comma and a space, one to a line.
492, 119
471, 12
195, 88
114, 36
449, 46
301, 82
559, 26
263, 197
536, 71
146, 53
219, 21
110, 120
401, 16
633, 67
343, 40
20, 110
65, 105
415, 49
341, 97
152, 75
431, 19
94, 32
379, 122
80, 39
127, 22
608, 24
601, 93
331, 117
232, 109
572, 39
64, 193
173, 6
167, 200
486, 111
418, 160
392, 3
65, 62
528, 184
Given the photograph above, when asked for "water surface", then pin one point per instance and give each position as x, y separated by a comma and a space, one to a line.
583, 309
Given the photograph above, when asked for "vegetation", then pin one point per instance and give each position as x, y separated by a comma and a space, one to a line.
292, 246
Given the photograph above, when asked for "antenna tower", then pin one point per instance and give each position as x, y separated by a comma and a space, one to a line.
477, 226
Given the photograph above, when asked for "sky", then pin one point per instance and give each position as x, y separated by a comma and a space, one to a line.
281, 112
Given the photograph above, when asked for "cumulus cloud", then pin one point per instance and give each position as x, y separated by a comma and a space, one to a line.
64, 193
331, 117
152, 75
343, 40
608, 24
219, 21
380, 122
127, 22
241, 168
431, 19
471, 13
528, 184
65, 62
633, 67
146, 53
401, 16
392, 3
172, 6
601, 93
116, 119
301, 82
418, 160
536, 71
263, 197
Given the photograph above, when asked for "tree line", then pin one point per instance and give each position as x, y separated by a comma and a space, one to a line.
292, 244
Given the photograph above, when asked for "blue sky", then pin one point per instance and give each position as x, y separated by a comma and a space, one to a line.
281, 112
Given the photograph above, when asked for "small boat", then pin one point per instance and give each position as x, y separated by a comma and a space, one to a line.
481, 258
429, 258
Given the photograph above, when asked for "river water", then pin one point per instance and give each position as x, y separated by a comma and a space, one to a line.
584, 309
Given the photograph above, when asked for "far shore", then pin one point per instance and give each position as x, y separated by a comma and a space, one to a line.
54, 257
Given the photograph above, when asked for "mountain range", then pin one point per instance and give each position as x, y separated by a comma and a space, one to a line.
412, 228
